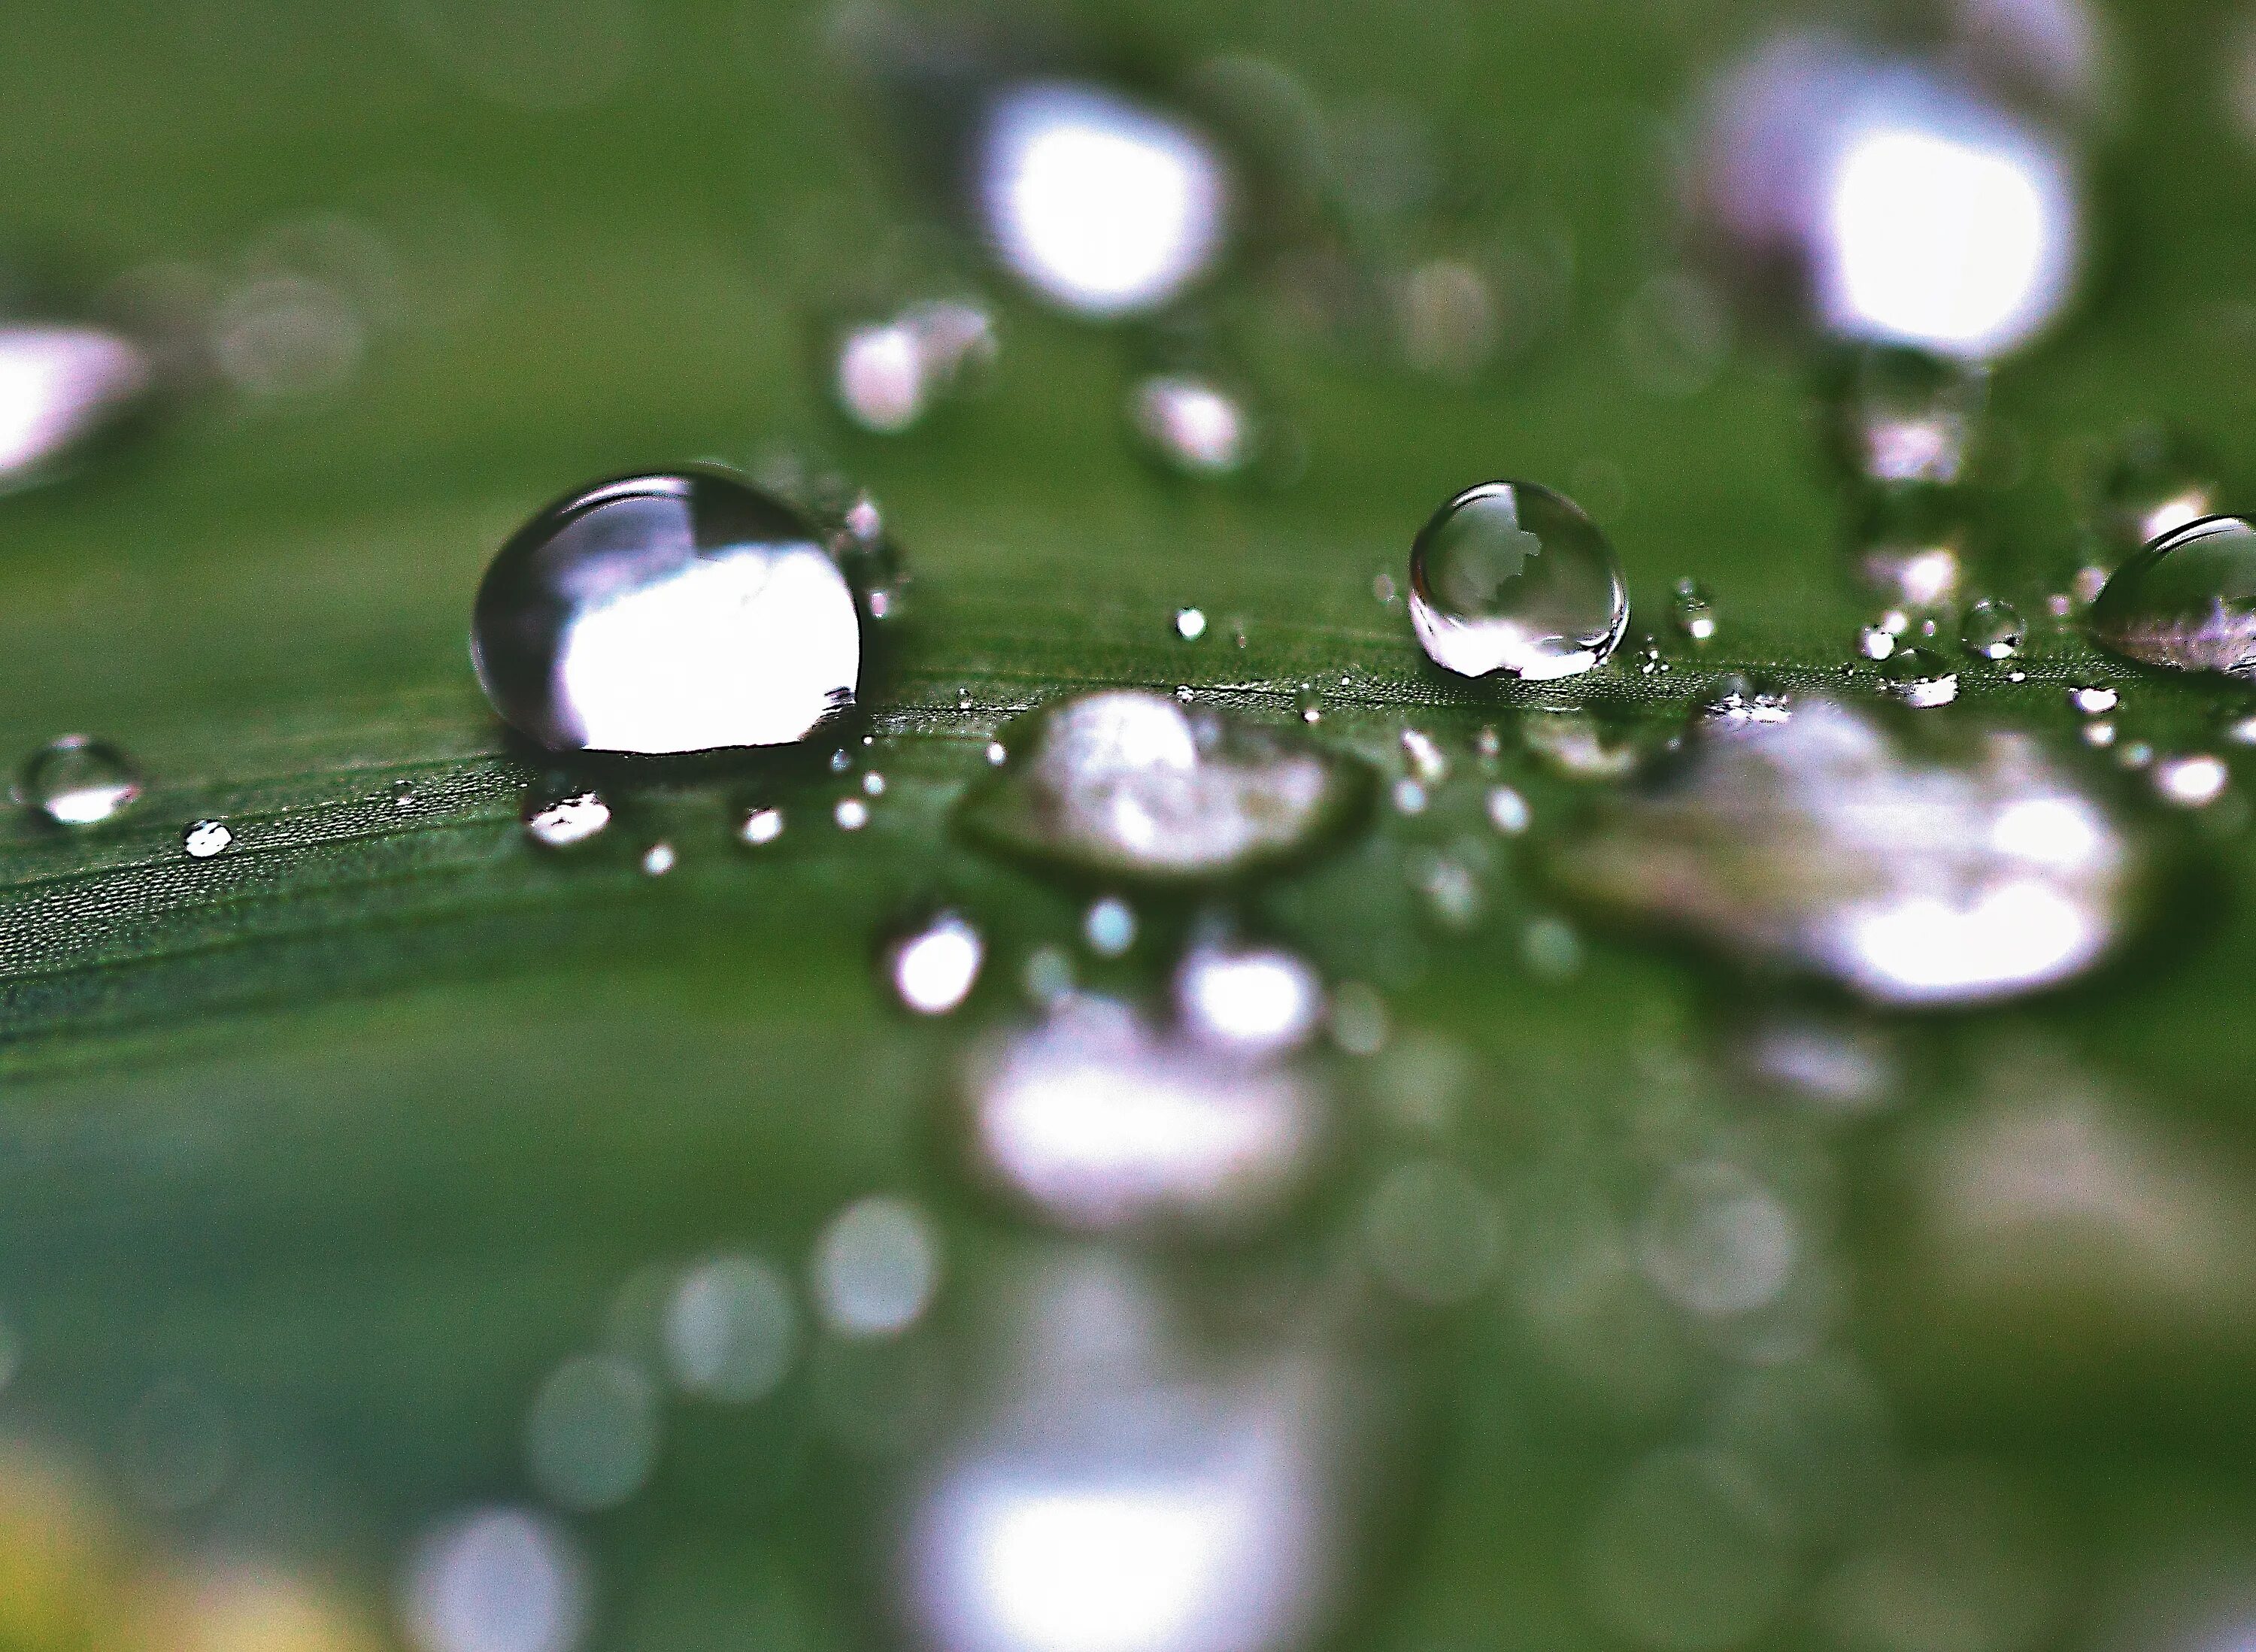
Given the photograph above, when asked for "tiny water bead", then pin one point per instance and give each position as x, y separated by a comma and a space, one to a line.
1512, 579
1903, 415
888, 374
1910, 546
933, 968
658, 859
1692, 612
759, 827
63, 387
668, 614
1992, 630
1191, 623
206, 838
565, 819
78, 782
1194, 425
2158, 482
1129, 783
1920, 678
2188, 601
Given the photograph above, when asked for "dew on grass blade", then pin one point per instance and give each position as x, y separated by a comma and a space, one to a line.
1920, 677
565, 817
1903, 415
1512, 579
933, 967
206, 838
1692, 612
1992, 630
78, 782
2188, 601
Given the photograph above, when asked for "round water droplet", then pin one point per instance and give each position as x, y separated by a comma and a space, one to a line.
668, 614
759, 827
591, 1437
1191, 623
658, 859
1738, 700
1110, 927
1876, 642
875, 1266
1512, 579
405, 795
933, 968
1920, 678
1692, 612
1903, 415
2188, 601
887, 373
851, 814
1910, 547
1992, 630
2093, 703
1194, 425
1507, 811
206, 838
2193, 781
1127, 783
1250, 1000
63, 388
559, 819
79, 781
2158, 482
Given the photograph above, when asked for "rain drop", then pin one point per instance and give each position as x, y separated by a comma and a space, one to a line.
79, 781
2188, 601
1510, 578
1992, 630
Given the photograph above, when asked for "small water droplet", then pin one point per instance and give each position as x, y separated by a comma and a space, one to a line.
559, 819
888, 372
998, 753
1876, 642
2017, 676
1510, 578
1196, 424
2093, 701
2135, 755
2099, 733
2241, 731
658, 859
78, 782
1110, 927
759, 827
1692, 612
1183, 692
404, 796
1910, 547
873, 784
1904, 415
1127, 783
933, 968
851, 814
1251, 1000
1488, 743
1507, 811
1382, 587
668, 614
1191, 623
1992, 630
2188, 601
1424, 757
206, 838
2192, 781
1310, 705
2160, 481
1920, 678
1409, 797
841, 760
1737, 700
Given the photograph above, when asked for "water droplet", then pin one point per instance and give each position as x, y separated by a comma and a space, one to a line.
759, 827
2188, 601
2191, 782
2099, 733
933, 968
2241, 731
2136, 755
1191, 623
668, 614
557, 819
2160, 481
1511, 578
1194, 425
1110, 927
1910, 547
1551, 949
851, 814
1423, 754
1100, 1122
2093, 701
1819, 841
998, 754
1692, 612
591, 1437
876, 1267
78, 782
1876, 642
497, 1580
658, 859
841, 760
1409, 797
1992, 630
1249, 1000
873, 784
731, 1330
206, 838
1507, 811
1920, 678
1737, 700
404, 796
889, 373
1904, 415
1579, 747
1310, 705
1126, 783
64, 388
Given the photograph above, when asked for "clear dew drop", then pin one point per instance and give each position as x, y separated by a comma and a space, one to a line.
1512, 579
1740, 700
1920, 678
667, 614
565, 819
405, 795
933, 967
1692, 612
63, 388
1131, 784
79, 781
206, 838
2099, 733
1422, 755
2187, 602
2092, 701
1821, 843
1992, 630
1191, 623
759, 827
2158, 481
1904, 415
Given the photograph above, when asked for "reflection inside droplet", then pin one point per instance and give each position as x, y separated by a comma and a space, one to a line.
78, 782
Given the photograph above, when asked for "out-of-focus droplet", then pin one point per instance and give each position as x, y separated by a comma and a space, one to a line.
2099, 733
1579, 746
759, 827
1716, 1242
1110, 927
2092, 701
2188, 601
668, 614
62, 389
2159, 480
1249, 1000
1920, 678
2191, 781
877, 1265
591, 1437
1876, 642
1820, 843
79, 781
1886, 200
731, 1330
1903, 416
1692, 612
1910, 546
206, 838
556, 818
1992, 630
1195, 424
1432, 1233
1422, 754
1100, 1122
1512, 579
1191, 623
933, 968
660, 859
850, 814
1102, 204
1127, 783
1507, 811
887, 374
496, 1580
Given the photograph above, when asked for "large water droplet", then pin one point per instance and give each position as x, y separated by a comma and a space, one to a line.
1510, 578
1818, 842
2188, 601
63, 388
1992, 630
1127, 783
79, 781
1903, 415
668, 614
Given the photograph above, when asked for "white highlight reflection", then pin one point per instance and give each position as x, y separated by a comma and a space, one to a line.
1101, 205
500, 1580
58, 385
